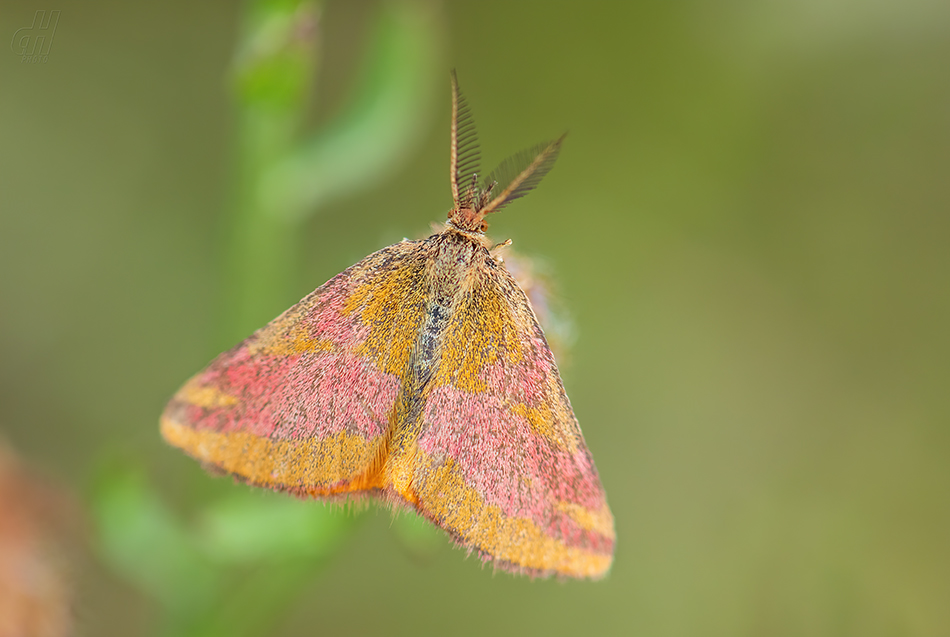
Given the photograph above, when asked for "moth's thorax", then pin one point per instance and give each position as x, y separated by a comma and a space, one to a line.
457, 254
476, 237
452, 267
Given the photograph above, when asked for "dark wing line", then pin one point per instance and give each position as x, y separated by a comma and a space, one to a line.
521, 181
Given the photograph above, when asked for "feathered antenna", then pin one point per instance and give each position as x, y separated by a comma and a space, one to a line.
522, 172
465, 155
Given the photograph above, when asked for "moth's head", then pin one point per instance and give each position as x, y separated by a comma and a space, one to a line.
472, 206
468, 219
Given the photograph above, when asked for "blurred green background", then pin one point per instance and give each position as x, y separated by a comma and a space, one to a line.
748, 223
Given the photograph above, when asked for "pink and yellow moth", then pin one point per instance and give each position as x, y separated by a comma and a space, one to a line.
419, 376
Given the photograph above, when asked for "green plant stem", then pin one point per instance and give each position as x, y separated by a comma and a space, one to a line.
263, 245
274, 77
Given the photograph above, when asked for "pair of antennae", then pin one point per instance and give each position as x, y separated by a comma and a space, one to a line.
521, 172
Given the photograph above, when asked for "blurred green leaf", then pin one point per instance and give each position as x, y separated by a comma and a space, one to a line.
276, 60
257, 526
140, 538
386, 119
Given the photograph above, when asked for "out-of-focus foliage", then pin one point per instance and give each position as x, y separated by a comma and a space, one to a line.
194, 571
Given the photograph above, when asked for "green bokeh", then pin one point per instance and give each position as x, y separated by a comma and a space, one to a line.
748, 223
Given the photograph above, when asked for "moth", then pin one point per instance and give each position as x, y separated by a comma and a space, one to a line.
421, 377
